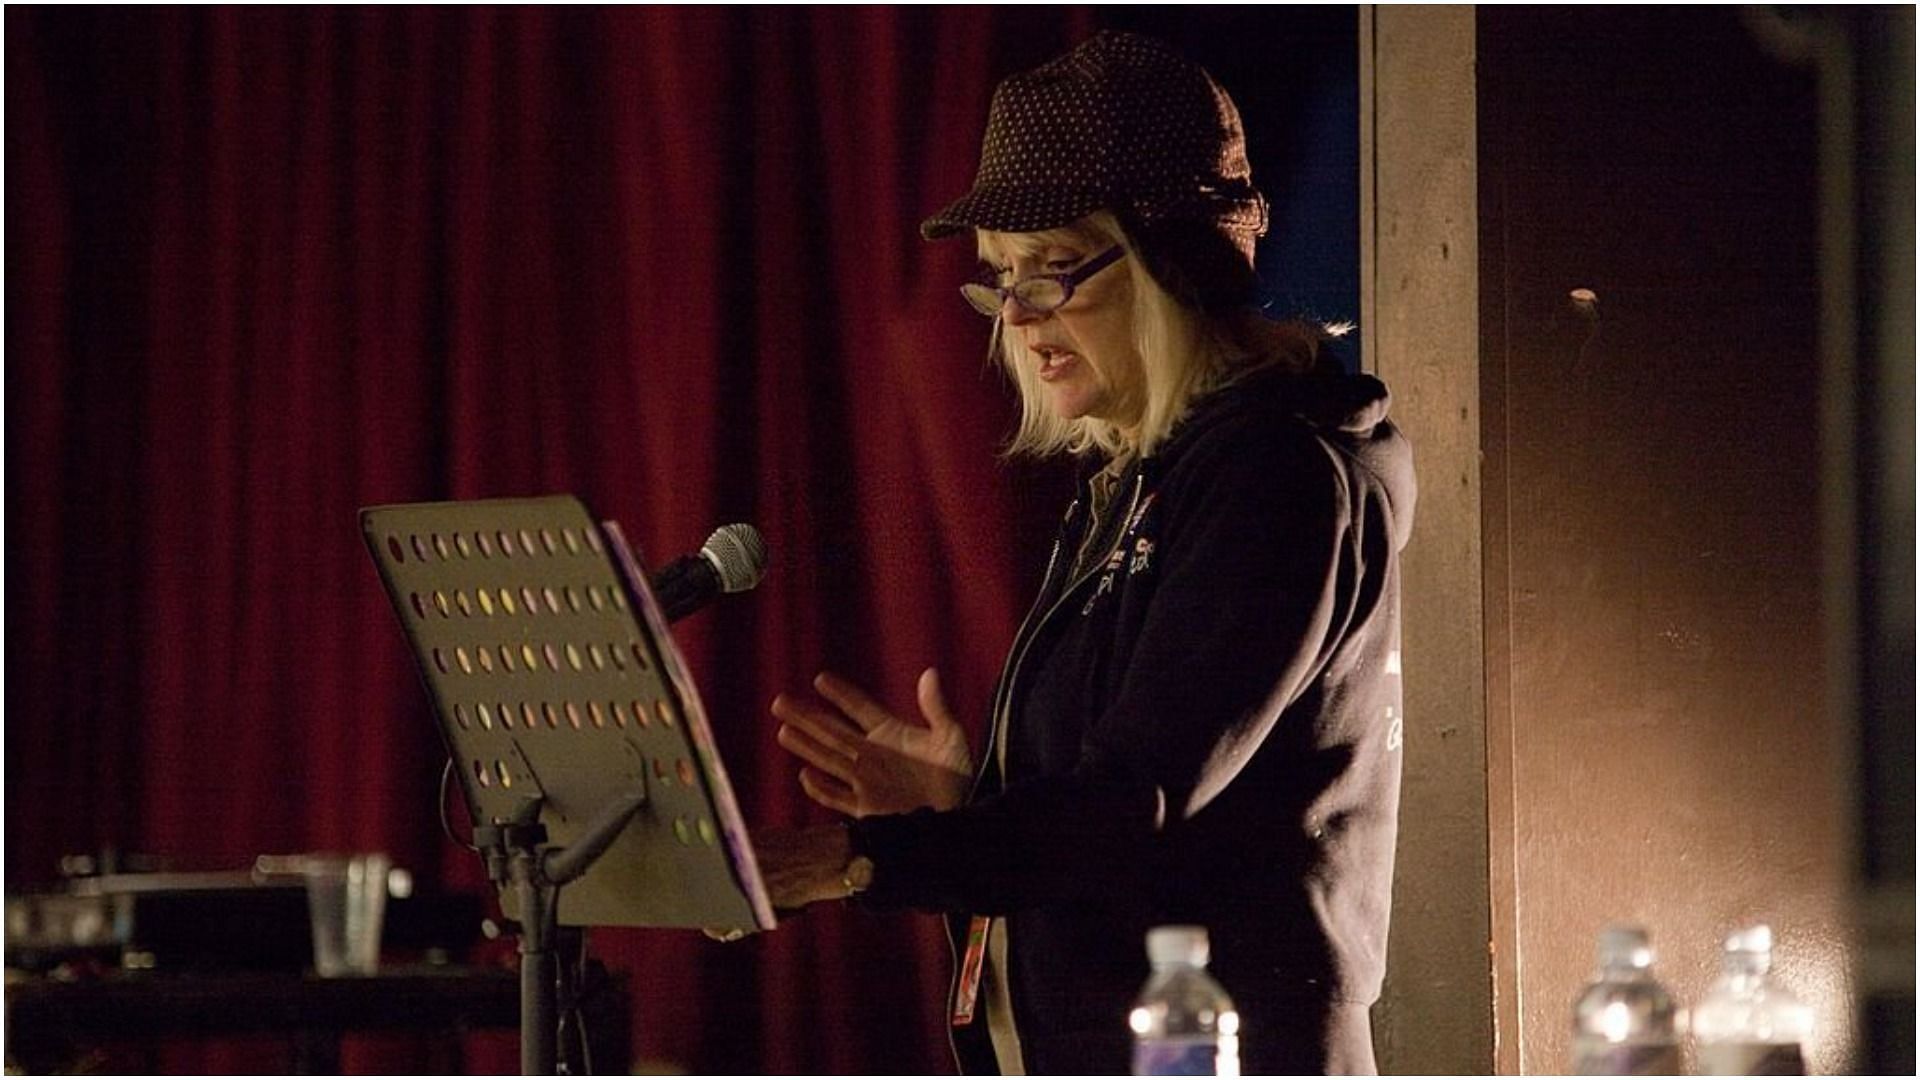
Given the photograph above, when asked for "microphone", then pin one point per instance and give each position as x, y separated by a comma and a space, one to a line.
733, 559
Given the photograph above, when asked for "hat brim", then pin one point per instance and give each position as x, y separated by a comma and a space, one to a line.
1013, 210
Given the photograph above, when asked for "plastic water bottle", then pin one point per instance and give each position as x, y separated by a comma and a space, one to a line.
1749, 1024
1184, 1024
1623, 1021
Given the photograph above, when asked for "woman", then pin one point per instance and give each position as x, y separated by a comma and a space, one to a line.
1199, 721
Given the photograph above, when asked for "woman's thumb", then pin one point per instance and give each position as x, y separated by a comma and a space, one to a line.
933, 703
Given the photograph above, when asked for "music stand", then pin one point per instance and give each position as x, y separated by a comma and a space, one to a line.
573, 726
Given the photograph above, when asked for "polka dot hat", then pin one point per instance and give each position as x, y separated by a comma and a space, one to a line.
1121, 123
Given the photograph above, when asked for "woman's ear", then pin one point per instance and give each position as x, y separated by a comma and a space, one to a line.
1197, 264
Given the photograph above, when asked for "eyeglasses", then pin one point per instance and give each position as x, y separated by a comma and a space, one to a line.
1040, 294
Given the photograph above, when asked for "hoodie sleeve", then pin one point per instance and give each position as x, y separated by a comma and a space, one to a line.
1255, 520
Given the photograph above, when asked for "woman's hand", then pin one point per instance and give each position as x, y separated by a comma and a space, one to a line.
862, 759
802, 866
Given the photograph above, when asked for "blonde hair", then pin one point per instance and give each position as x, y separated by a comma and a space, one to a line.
1184, 353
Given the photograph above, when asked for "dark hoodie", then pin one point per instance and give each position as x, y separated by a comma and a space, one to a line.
1202, 725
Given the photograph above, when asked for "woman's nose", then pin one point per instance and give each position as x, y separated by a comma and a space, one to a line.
1013, 313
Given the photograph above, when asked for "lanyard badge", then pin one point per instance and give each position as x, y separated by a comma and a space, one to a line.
967, 993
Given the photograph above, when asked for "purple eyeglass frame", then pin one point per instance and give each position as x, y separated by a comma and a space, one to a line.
979, 293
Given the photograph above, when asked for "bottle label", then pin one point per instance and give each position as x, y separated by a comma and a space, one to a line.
1599, 1058
1195, 1056
1752, 1059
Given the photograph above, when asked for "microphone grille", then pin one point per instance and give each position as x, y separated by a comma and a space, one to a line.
738, 554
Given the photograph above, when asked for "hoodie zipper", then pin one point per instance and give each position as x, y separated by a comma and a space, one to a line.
1003, 697
1003, 702
1019, 639
954, 951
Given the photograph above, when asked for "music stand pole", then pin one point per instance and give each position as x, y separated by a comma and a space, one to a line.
517, 856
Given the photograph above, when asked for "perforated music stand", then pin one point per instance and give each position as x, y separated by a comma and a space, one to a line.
579, 739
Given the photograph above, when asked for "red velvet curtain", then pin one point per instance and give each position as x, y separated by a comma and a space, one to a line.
265, 267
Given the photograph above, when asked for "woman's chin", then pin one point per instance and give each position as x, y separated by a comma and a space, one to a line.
1073, 402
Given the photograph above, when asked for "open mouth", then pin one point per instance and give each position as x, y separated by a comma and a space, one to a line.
1054, 361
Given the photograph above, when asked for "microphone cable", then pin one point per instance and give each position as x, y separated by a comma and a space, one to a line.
446, 822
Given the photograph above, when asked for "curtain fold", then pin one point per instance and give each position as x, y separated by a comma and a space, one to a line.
266, 267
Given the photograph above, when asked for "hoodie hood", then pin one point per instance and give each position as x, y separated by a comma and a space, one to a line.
1349, 412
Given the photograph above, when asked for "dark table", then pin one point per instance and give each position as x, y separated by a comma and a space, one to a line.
51, 1022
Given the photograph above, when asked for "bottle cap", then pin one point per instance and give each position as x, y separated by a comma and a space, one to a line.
1178, 945
1751, 939
1627, 945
